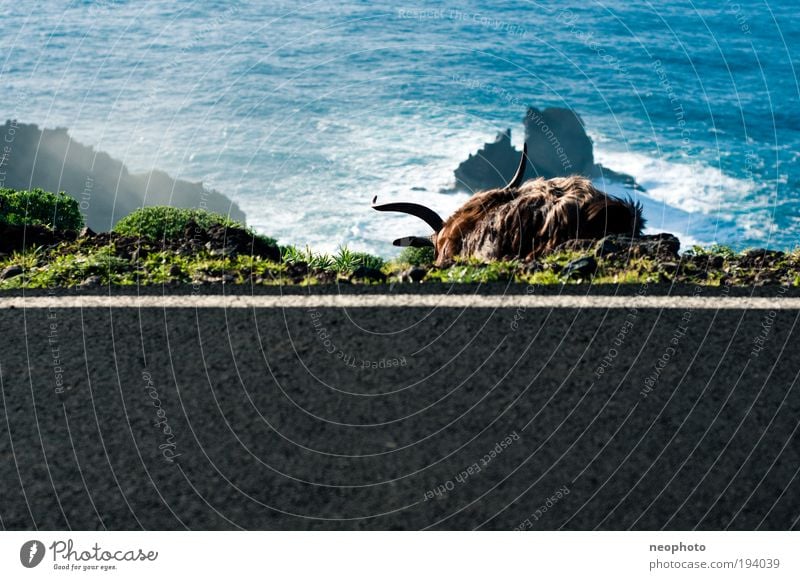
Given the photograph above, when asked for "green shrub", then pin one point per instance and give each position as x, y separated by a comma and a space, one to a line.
416, 256
167, 223
56, 211
369, 260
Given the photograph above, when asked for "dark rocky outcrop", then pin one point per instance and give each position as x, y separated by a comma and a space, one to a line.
105, 190
657, 246
492, 166
228, 241
661, 245
557, 143
558, 146
15, 238
217, 240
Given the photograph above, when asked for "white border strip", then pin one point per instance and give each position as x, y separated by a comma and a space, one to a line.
337, 555
406, 301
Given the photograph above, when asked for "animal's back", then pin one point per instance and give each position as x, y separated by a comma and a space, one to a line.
521, 222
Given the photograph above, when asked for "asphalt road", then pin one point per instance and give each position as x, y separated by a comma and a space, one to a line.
400, 418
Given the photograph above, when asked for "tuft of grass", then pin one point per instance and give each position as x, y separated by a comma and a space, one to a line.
56, 211
562, 258
345, 261
292, 255
542, 278
321, 262
470, 270
28, 259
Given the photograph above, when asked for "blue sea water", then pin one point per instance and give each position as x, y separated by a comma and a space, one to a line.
303, 111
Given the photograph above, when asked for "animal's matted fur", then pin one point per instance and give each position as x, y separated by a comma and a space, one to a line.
524, 220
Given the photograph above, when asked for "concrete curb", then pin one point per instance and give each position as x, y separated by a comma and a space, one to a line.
406, 301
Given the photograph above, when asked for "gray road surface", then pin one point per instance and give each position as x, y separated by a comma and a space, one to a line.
348, 416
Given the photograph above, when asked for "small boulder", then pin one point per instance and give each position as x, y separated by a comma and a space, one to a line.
659, 245
326, 277
297, 272
760, 257
531, 267
11, 272
365, 273
413, 274
580, 268
669, 267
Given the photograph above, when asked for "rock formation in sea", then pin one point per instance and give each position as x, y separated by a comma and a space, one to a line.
492, 166
558, 146
104, 188
557, 143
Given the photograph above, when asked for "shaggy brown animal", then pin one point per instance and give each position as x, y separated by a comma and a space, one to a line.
523, 220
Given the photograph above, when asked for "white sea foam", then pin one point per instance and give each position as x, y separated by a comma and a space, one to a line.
697, 202
695, 187
660, 217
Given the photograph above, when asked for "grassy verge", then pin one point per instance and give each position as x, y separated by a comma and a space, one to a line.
84, 262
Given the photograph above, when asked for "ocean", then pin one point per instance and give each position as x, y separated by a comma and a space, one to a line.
301, 112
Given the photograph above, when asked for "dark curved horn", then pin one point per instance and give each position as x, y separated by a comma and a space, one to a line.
426, 214
413, 242
516, 181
